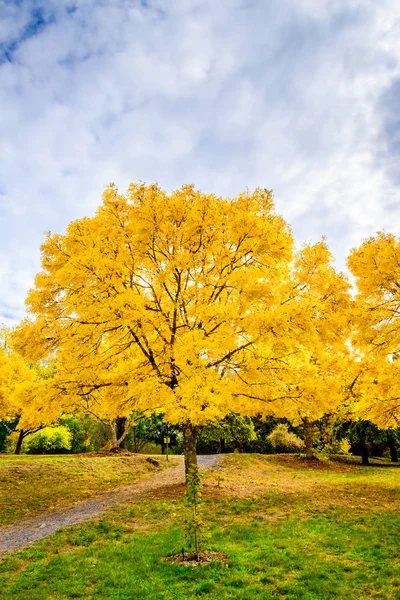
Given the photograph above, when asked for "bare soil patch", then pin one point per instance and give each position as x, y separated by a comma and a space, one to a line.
190, 560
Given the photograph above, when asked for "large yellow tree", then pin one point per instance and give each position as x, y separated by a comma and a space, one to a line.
160, 301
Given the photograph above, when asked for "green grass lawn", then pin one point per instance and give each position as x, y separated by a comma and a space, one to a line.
33, 484
316, 531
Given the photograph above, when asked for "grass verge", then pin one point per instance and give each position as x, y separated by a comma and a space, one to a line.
280, 543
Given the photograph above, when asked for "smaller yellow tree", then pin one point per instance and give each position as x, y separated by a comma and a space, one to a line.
24, 391
376, 336
303, 365
376, 267
375, 390
12, 372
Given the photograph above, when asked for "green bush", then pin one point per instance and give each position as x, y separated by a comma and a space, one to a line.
48, 440
282, 440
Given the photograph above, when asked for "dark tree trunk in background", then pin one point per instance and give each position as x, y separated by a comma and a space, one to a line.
308, 430
19, 442
119, 430
24, 434
364, 454
393, 450
221, 445
190, 435
121, 424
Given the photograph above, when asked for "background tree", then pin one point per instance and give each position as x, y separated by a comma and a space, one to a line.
361, 434
326, 438
376, 267
32, 401
393, 442
22, 393
233, 432
86, 432
305, 376
170, 430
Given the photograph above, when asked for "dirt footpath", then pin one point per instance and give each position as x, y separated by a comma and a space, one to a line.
167, 484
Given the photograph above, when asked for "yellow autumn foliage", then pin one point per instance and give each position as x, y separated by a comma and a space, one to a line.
25, 388
158, 301
376, 267
196, 305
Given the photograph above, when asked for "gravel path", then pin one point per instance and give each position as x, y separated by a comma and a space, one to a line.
168, 483
209, 460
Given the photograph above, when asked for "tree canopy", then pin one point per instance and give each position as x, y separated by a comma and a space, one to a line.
376, 266
196, 306
158, 300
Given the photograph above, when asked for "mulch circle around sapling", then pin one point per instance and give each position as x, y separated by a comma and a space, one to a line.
189, 559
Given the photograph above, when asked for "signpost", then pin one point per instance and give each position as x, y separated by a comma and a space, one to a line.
166, 442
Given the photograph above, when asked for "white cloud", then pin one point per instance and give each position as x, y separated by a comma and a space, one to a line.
229, 94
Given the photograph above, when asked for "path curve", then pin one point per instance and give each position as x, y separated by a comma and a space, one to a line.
27, 532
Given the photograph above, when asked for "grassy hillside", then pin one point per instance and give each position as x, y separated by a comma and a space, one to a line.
34, 484
290, 530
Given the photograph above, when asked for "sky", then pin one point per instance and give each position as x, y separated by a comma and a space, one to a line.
298, 96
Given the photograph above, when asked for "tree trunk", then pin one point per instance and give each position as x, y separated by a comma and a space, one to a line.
364, 454
19, 442
393, 450
190, 435
308, 429
121, 424
119, 430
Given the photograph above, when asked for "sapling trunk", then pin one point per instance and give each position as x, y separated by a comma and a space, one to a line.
190, 435
193, 496
196, 538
